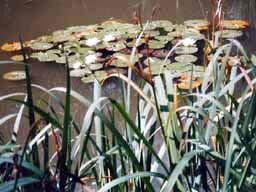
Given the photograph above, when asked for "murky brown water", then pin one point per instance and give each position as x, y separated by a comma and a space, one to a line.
32, 18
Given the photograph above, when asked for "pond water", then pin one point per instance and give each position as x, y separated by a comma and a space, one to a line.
33, 18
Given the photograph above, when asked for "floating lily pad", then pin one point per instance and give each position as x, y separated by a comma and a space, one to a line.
95, 66
192, 33
75, 29
164, 39
155, 69
15, 75
131, 44
116, 46
71, 58
174, 34
19, 57
178, 67
152, 33
44, 57
120, 63
186, 58
99, 75
62, 36
185, 50
235, 24
9, 47
159, 24
231, 34
53, 51
79, 72
154, 44
37, 46
155, 61
44, 38
199, 24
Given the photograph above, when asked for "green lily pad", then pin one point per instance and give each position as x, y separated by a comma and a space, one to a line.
199, 24
131, 44
155, 61
71, 58
79, 72
231, 34
95, 66
100, 75
44, 57
164, 38
192, 33
19, 57
186, 58
75, 29
155, 69
53, 51
185, 50
152, 33
116, 46
154, 44
40, 46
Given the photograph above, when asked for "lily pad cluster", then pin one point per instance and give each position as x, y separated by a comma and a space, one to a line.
93, 50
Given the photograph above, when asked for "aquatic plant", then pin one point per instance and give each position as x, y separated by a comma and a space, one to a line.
182, 139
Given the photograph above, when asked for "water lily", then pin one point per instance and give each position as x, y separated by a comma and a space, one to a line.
109, 37
92, 41
90, 59
188, 42
77, 64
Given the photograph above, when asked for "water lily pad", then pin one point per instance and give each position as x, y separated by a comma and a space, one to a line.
99, 75
92, 58
185, 50
19, 57
178, 67
155, 69
174, 34
71, 58
15, 75
152, 33
44, 57
116, 46
199, 24
53, 51
155, 61
9, 47
235, 24
62, 36
186, 58
159, 24
131, 44
164, 38
95, 66
231, 34
79, 72
192, 33
43, 38
154, 44
37, 46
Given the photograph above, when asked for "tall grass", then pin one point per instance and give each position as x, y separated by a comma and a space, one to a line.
206, 144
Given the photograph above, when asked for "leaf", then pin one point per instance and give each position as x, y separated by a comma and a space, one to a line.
123, 179
169, 184
8, 186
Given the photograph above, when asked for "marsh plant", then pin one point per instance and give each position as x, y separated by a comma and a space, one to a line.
197, 139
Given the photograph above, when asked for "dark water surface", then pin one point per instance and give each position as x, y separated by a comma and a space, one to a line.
33, 18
